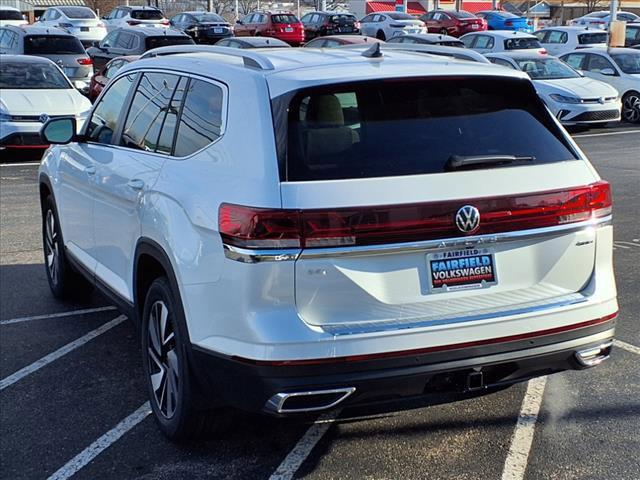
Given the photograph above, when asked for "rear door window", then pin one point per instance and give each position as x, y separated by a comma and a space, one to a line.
411, 127
52, 45
591, 38
522, 43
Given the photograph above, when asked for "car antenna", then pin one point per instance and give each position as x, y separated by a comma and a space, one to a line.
373, 51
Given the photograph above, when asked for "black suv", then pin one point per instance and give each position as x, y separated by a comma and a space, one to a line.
320, 24
203, 27
133, 41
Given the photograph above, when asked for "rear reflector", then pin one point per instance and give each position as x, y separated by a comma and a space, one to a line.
260, 228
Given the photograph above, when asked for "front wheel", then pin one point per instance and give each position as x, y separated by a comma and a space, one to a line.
381, 36
165, 361
631, 107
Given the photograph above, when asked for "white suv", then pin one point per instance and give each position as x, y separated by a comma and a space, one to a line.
293, 231
124, 16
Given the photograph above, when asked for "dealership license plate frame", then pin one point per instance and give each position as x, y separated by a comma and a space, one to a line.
457, 254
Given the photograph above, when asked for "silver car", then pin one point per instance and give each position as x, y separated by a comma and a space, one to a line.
82, 22
62, 48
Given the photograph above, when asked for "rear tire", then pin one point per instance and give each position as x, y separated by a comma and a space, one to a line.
381, 36
172, 392
631, 107
64, 281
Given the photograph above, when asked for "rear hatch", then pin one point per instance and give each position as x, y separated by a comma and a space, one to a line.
66, 51
385, 179
342, 24
148, 18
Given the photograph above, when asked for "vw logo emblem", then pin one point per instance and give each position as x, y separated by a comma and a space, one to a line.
468, 219
43, 118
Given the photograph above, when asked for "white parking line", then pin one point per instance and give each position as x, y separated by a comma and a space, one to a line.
18, 164
57, 315
303, 448
101, 444
627, 346
47, 359
516, 462
604, 134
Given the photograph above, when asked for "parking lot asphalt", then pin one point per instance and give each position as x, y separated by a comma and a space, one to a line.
72, 401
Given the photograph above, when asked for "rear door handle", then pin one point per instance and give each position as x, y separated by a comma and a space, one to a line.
90, 170
135, 184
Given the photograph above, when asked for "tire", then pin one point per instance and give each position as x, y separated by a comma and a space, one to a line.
631, 107
172, 390
64, 281
381, 36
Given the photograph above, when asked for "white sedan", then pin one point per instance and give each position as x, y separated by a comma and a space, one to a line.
619, 67
493, 41
386, 25
571, 97
560, 40
33, 89
601, 19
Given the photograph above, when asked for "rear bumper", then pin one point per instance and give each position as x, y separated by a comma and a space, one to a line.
263, 386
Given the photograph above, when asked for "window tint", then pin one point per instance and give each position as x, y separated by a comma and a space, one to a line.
166, 40
201, 118
104, 118
284, 18
148, 109
146, 15
355, 130
52, 44
522, 43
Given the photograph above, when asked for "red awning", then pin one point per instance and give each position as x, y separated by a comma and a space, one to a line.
478, 6
413, 8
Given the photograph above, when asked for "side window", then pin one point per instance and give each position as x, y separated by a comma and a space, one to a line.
55, 15
168, 132
201, 118
502, 63
597, 63
556, 36
148, 110
125, 41
110, 40
104, 119
468, 40
3, 38
576, 60
367, 19
541, 35
121, 13
113, 69
484, 41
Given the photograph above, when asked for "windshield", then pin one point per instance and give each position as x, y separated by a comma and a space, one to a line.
590, 38
52, 45
461, 14
167, 40
628, 62
78, 12
10, 15
208, 17
522, 43
546, 68
400, 16
410, 126
31, 76
147, 15
284, 18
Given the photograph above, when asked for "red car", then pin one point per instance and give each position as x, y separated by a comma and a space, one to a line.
284, 26
104, 76
449, 22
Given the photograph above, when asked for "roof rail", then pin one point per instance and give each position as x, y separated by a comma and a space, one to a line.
442, 50
251, 59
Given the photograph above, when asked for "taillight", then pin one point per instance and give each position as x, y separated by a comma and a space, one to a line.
258, 228
543, 51
84, 61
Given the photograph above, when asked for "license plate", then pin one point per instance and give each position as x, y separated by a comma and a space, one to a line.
218, 30
69, 71
84, 29
474, 26
288, 29
466, 269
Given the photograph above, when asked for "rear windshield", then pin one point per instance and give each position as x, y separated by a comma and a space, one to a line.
589, 38
31, 76
284, 18
521, 43
52, 45
342, 19
165, 41
461, 14
598, 14
400, 16
147, 15
78, 12
410, 127
450, 43
208, 17
10, 15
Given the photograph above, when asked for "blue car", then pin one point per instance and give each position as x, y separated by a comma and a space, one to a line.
499, 20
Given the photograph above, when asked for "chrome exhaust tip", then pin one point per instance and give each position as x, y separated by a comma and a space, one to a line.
311, 401
592, 356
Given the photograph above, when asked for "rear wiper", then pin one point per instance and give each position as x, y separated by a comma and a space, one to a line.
456, 162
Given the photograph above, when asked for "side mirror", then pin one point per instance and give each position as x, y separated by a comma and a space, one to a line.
59, 131
608, 71
81, 86
238, 22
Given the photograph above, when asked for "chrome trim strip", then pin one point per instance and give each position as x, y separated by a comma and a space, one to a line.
276, 403
256, 256
476, 240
